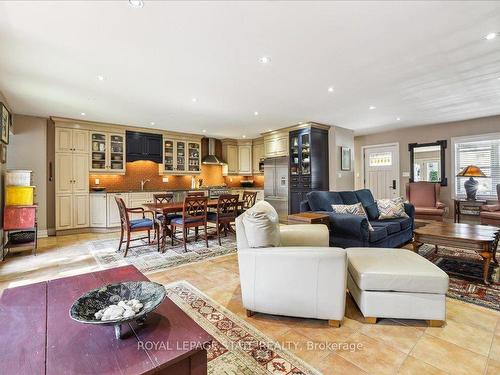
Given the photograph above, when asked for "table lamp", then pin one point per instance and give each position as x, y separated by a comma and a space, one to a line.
471, 184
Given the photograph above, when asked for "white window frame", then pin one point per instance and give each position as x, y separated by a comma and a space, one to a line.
468, 138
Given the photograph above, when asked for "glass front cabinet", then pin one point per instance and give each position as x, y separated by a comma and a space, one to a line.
107, 153
181, 157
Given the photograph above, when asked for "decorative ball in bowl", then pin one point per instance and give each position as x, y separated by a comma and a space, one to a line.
116, 304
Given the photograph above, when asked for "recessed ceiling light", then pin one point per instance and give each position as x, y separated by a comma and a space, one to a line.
256, 113
398, 119
136, 3
83, 113
269, 130
194, 100
330, 89
204, 131
243, 136
491, 36
100, 78
264, 60
372, 107
152, 122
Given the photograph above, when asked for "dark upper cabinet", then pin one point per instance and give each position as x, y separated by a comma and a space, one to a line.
308, 164
144, 146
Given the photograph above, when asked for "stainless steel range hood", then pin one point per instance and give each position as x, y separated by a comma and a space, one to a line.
211, 158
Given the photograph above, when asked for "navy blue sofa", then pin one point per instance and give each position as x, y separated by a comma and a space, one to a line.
352, 230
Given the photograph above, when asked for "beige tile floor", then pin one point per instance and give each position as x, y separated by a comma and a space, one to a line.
468, 344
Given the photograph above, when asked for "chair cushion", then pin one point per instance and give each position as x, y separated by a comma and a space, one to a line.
490, 215
377, 234
211, 216
391, 208
390, 226
141, 223
429, 211
169, 216
397, 270
190, 220
261, 223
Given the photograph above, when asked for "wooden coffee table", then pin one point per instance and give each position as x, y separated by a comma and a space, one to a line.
480, 238
309, 218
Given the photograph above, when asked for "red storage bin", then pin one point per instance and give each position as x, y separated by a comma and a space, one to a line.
19, 217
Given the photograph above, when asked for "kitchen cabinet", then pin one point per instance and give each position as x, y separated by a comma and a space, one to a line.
276, 144
107, 153
181, 156
72, 211
72, 140
112, 213
257, 155
98, 210
143, 146
245, 159
230, 155
72, 173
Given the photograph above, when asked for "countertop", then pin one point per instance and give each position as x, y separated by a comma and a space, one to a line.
203, 188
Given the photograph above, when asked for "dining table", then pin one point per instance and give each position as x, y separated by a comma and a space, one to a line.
176, 207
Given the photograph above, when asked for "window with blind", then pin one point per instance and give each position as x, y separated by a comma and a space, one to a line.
483, 153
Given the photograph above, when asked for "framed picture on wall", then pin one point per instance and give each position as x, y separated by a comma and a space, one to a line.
345, 158
5, 122
3, 153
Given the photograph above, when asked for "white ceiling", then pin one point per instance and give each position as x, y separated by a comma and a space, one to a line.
424, 62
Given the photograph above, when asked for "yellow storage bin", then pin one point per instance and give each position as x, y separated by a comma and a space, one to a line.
19, 195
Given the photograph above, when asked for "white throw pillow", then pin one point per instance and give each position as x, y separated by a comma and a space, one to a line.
352, 209
391, 208
261, 223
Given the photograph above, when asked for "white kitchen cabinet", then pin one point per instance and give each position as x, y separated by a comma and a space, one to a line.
107, 153
181, 156
80, 173
72, 211
276, 145
81, 211
245, 159
232, 159
112, 213
72, 140
98, 211
257, 154
72, 173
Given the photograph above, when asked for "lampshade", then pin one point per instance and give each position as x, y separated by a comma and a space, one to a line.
471, 171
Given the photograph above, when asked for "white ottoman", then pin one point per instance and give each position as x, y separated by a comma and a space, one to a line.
396, 283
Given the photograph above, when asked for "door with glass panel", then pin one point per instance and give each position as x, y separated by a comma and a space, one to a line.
381, 171
98, 153
180, 156
168, 155
116, 154
294, 154
194, 156
305, 154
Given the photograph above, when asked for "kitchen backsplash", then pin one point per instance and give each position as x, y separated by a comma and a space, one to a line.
140, 170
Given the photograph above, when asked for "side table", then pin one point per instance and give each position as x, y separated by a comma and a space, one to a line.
466, 207
309, 218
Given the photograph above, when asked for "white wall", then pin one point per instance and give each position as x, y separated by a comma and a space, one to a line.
338, 137
28, 150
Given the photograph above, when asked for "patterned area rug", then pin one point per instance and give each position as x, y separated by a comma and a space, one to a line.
238, 348
465, 269
147, 259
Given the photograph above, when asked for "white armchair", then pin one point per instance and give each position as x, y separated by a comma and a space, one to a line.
302, 278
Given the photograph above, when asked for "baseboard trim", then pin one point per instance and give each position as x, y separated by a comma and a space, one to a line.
86, 230
42, 233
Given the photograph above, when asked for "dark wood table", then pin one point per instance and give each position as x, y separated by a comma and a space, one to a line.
479, 238
466, 207
173, 207
309, 218
39, 337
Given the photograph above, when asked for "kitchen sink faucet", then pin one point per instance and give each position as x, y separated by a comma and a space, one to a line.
143, 182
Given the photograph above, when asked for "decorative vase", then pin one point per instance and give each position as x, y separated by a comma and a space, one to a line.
471, 186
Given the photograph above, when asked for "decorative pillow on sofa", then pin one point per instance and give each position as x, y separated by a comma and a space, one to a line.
391, 208
352, 209
261, 223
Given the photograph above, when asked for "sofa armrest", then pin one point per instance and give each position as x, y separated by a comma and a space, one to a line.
304, 206
490, 207
347, 225
440, 205
269, 282
410, 210
304, 235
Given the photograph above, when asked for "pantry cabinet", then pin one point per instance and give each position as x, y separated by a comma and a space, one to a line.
107, 153
72, 211
72, 140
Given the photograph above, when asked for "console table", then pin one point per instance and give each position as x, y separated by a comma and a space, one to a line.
466, 207
39, 337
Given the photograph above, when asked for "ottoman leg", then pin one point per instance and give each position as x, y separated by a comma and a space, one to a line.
334, 323
435, 323
370, 320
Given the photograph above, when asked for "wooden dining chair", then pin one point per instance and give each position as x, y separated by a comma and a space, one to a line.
249, 198
162, 198
227, 211
194, 215
136, 225
196, 194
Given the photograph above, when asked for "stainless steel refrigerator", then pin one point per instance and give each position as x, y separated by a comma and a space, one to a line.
276, 184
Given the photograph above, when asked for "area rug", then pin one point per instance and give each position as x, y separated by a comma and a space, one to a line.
147, 259
465, 270
237, 348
